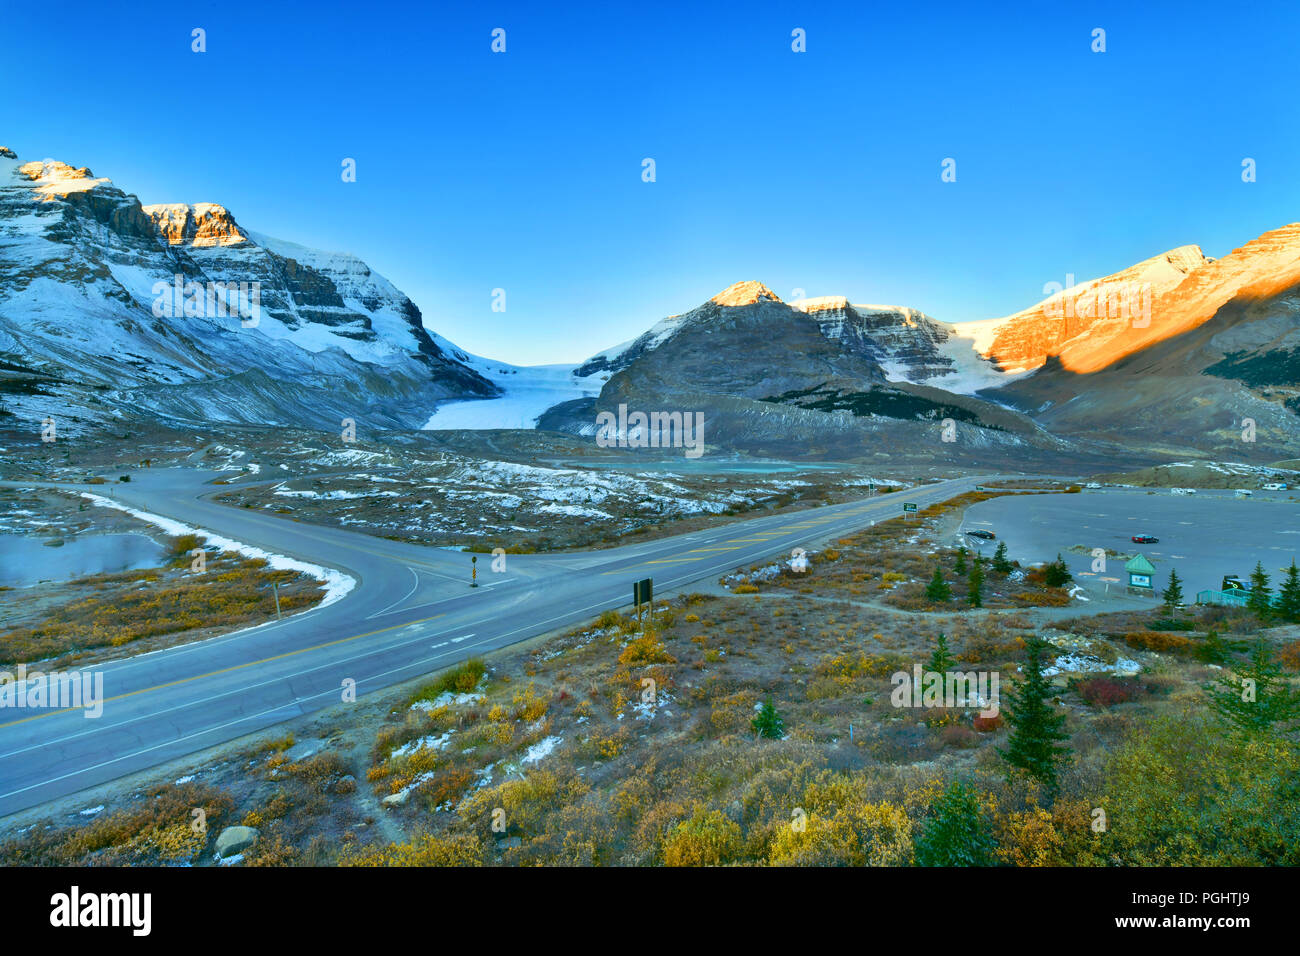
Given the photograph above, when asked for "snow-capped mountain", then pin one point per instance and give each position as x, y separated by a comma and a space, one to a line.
907, 345
109, 308
816, 378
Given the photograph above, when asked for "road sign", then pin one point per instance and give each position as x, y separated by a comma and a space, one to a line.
909, 506
642, 591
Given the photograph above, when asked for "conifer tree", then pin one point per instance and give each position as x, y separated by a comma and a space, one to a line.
957, 832
1173, 592
942, 661
975, 584
937, 590
1288, 595
1260, 599
1036, 727
1256, 696
1000, 562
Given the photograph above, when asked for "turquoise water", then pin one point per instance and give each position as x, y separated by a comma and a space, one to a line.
25, 561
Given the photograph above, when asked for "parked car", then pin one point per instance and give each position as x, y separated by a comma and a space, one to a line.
1275, 486
980, 533
1092, 484
1242, 493
1182, 491
1145, 539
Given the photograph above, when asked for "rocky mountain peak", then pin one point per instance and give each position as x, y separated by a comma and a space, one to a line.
744, 293
54, 179
200, 224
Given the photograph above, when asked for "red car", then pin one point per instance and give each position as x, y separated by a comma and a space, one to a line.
1145, 539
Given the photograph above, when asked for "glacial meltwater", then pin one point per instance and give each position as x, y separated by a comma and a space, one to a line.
25, 561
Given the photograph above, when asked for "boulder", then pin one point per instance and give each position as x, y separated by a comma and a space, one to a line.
235, 840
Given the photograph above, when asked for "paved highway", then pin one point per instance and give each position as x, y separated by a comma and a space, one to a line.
411, 613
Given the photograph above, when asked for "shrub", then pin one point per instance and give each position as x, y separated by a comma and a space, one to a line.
1108, 691
1160, 641
868, 834
707, 838
646, 649
424, 850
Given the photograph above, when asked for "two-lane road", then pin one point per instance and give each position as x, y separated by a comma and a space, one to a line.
411, 612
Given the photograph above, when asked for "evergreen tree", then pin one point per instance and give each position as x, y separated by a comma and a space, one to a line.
957, 833
768, 722
1036, 727
1260, 599
1288, 595
1257, 696
937, 590
942, 661
1173, 592
1056, 574
960, 566
1000, 562
1213, 650
975, 584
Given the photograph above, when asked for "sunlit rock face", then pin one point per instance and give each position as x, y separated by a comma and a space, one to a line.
202, 224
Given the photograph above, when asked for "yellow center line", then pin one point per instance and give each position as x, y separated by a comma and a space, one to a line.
234, 667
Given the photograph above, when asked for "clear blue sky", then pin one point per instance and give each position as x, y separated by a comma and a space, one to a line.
817, 170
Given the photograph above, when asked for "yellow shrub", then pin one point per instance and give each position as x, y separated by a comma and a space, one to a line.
708, 838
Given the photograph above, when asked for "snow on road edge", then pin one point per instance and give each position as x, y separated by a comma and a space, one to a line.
337, 584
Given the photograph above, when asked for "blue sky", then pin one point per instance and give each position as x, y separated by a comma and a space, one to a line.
817, 170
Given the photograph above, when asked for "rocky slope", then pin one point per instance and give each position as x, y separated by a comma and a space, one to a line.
809, 380
1221, 351
110, 309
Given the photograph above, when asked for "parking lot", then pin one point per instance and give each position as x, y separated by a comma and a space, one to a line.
1205, 536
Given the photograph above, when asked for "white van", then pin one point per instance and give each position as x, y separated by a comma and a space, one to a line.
1242, 493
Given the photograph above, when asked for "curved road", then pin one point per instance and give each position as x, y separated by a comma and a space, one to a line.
411, 613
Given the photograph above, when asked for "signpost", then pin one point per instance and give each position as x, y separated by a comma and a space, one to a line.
642, 593
275, 589
473, 571
909, 507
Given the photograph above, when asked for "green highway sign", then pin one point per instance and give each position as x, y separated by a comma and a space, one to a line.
909, 505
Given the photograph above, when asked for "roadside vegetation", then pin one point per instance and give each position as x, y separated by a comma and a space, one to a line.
147, 608
761, 728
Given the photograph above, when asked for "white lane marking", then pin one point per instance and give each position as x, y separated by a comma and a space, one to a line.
457, 640
414, 587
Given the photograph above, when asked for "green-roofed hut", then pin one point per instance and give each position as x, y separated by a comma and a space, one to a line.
1140, 571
